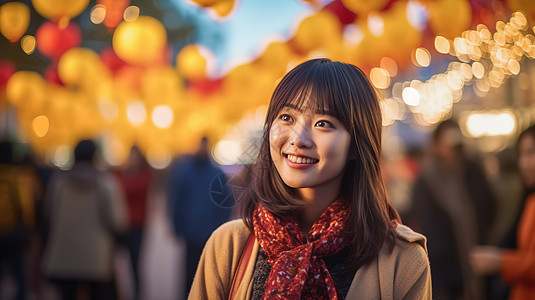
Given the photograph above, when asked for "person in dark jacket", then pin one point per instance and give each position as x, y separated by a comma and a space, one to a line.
199, 201
455, 208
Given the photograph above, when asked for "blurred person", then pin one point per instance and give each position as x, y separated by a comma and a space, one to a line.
516, 264
135, 179
17, 218
85, 210
454, 207
317, 222
195, 187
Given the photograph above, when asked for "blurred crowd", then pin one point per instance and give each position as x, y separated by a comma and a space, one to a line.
60, 229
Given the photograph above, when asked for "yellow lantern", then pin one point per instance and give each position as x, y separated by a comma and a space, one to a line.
162, 85
82, 67
59, 9
449, 18
141, 41
276, 57
318, 32
14, 20
362, 7
26, 88
194, 62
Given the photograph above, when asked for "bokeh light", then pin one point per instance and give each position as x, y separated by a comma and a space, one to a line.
27, 43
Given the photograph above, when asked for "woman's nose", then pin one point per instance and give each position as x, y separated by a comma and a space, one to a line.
300, 137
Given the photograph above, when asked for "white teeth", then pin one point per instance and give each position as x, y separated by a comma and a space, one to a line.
301, 160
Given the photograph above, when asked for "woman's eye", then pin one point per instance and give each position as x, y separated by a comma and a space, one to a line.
325, 124
285, 118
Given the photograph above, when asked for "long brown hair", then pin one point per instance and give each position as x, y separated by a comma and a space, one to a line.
343, 91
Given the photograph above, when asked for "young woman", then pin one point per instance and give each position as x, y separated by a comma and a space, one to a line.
516, 266
316, 207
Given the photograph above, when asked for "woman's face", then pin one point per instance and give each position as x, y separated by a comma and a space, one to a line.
526, 160
308, 149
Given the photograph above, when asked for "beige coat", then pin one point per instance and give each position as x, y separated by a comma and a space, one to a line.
84, 206
403, 273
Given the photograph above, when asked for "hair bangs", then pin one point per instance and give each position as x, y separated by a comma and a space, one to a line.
315, 88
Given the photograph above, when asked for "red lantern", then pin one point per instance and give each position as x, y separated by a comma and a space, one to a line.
344, 15
114, 11
204, 87
111, 60
7, 69
51, 74
52, 41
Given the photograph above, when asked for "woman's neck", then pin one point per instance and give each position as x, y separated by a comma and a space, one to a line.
317, 199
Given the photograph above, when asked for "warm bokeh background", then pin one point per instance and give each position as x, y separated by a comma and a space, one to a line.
161, 74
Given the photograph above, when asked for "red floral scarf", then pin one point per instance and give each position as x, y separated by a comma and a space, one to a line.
298, 270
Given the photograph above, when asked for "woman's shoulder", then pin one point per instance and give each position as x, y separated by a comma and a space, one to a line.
406, 236
233, 232
410, 247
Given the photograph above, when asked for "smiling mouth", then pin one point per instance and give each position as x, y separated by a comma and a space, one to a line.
300, 159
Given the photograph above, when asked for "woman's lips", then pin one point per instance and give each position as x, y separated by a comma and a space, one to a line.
299, 162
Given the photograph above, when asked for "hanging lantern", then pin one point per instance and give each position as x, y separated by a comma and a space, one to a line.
25, 88
363, 7
14, 20
114, 11
60, 10
53, 41
319, 31
194, 62
449, 18
345, 16
140, 42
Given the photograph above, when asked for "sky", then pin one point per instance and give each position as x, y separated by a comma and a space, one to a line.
252, 23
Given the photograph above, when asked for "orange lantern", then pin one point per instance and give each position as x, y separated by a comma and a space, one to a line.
114, 11
14, 20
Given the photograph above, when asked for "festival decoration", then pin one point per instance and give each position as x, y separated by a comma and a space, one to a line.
130, 93
60, 10
195, 62
25, 88
140, 42
449, 18
14, 20
114, 11
53, 41
363, 7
